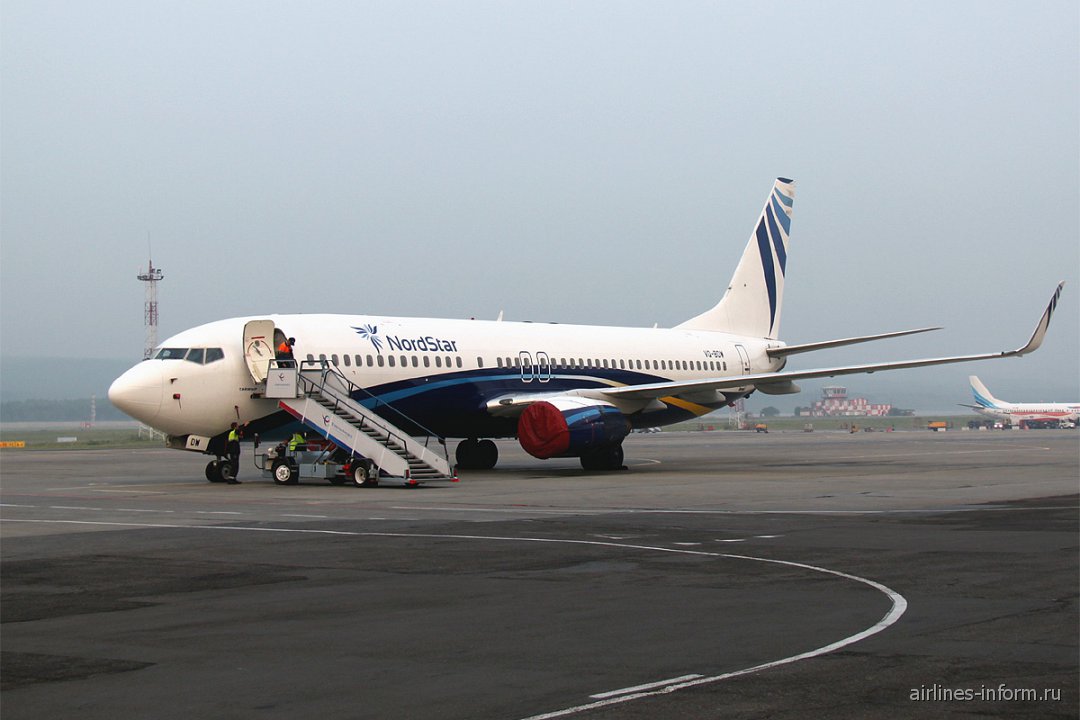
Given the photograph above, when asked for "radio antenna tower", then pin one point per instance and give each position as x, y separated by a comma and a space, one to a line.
151, 277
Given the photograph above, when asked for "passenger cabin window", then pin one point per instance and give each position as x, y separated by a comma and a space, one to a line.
348, 360
310, 357
479, 361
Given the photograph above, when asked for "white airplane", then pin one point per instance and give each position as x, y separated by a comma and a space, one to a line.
561, 390
1016, 413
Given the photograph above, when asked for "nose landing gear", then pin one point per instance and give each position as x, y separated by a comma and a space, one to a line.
220, 471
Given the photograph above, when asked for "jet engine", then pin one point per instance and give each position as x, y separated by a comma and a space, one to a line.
570, 427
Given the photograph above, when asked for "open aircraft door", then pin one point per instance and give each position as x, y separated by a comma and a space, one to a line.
258, 347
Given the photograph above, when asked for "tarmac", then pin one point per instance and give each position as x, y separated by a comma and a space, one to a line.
782, 575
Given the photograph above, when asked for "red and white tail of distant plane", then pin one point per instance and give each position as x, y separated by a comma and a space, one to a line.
987, 404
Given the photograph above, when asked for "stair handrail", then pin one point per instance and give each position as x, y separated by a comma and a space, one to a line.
326, 369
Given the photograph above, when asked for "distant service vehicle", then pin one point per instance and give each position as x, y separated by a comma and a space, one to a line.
375, 385
1021, 414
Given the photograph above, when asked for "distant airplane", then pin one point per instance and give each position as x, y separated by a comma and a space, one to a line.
1015, 413
369, 383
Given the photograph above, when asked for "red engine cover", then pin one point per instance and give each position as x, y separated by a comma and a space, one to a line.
542, 431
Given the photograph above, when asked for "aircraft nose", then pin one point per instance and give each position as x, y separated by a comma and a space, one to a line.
138, 391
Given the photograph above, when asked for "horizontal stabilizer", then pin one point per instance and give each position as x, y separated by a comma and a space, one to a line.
825, 344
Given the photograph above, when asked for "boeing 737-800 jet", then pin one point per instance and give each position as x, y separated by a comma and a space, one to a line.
561, 390
1016, 413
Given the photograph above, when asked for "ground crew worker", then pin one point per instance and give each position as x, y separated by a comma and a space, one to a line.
296, 441
285, 351
232, 449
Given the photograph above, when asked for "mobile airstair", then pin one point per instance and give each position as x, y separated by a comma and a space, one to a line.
323, 399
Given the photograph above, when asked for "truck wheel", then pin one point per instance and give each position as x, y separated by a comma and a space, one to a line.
363, 475
284, 472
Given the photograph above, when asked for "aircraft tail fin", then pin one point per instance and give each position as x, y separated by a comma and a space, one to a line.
751, 305
983, 398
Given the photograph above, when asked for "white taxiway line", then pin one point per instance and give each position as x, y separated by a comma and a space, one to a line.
648, 686
899, 603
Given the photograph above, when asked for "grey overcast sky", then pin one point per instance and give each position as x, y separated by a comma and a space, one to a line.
585, 162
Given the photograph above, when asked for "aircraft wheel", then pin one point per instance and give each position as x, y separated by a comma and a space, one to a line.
466, 452
213, 472
473, 454
487, 454
609, 457
226, 471
284, 472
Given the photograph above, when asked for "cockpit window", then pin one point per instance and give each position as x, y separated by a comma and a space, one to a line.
199, 356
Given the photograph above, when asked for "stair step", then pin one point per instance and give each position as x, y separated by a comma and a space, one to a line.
376, 429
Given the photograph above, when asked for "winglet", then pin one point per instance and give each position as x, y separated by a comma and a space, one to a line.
1044, 323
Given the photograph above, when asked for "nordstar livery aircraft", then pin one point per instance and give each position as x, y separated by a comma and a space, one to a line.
987, 404
561, 390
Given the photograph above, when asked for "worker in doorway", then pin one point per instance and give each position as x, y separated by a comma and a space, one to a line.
296, 441
285, 352
232, 449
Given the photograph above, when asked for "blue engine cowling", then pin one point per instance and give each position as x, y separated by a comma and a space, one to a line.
570, 427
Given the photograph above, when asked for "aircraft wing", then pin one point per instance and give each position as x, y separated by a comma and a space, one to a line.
783, 381
630, 398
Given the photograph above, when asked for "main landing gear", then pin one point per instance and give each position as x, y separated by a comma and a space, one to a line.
607, 457
473, 454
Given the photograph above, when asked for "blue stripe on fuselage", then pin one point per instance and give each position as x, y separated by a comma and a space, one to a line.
455, 405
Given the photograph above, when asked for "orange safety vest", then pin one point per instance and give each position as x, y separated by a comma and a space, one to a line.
284, 348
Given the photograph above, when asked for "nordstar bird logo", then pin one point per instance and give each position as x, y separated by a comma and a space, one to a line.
370, 332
